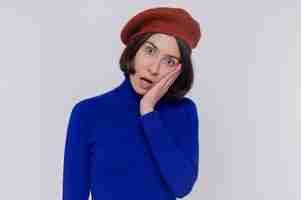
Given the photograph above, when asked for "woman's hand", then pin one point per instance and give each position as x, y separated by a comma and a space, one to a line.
149, 100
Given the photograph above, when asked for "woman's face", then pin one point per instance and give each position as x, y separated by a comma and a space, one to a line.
157, 56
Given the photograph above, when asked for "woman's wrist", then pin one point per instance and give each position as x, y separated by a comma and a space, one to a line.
146, 110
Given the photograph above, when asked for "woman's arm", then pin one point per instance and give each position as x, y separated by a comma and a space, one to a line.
175, 149
76, 182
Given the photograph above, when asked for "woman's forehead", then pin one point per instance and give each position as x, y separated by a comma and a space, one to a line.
165, 43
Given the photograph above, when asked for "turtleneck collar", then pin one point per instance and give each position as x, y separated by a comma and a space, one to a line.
129, 95
127, 91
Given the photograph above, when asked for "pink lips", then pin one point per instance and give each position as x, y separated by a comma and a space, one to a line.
146, 79
144, 83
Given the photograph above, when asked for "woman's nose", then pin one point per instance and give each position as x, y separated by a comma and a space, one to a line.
155, 67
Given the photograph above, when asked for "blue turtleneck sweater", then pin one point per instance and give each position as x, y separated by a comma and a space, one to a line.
116, 153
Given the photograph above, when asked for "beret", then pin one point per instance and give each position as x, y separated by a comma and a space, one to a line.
169, 20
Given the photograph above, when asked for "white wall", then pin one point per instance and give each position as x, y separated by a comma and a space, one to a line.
247, 87
20, 122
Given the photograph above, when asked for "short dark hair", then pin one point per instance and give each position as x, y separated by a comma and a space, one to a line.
184, 81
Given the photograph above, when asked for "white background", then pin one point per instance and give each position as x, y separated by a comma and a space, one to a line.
247, 89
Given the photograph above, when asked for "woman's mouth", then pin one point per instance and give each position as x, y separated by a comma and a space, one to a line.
145, 83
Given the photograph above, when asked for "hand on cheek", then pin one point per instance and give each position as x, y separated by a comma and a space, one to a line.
150, 99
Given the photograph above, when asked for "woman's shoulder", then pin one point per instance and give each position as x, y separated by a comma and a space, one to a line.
185, 107
183, 103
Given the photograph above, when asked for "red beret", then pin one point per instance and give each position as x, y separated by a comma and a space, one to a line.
168, 20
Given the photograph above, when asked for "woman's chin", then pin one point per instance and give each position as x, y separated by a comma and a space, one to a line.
141, 91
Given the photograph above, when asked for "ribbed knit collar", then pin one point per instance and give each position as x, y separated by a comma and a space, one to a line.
128, 92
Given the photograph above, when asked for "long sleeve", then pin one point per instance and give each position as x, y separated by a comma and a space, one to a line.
175, 146
76, 182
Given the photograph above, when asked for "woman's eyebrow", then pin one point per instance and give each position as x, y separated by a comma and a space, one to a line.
152, 44
157, 48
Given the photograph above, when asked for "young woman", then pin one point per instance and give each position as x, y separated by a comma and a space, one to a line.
140, 139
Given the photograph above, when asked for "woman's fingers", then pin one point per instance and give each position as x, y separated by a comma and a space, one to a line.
168, 75
162, 86
172, 77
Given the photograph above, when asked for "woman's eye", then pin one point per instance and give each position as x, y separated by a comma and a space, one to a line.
149, 49
171, 62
